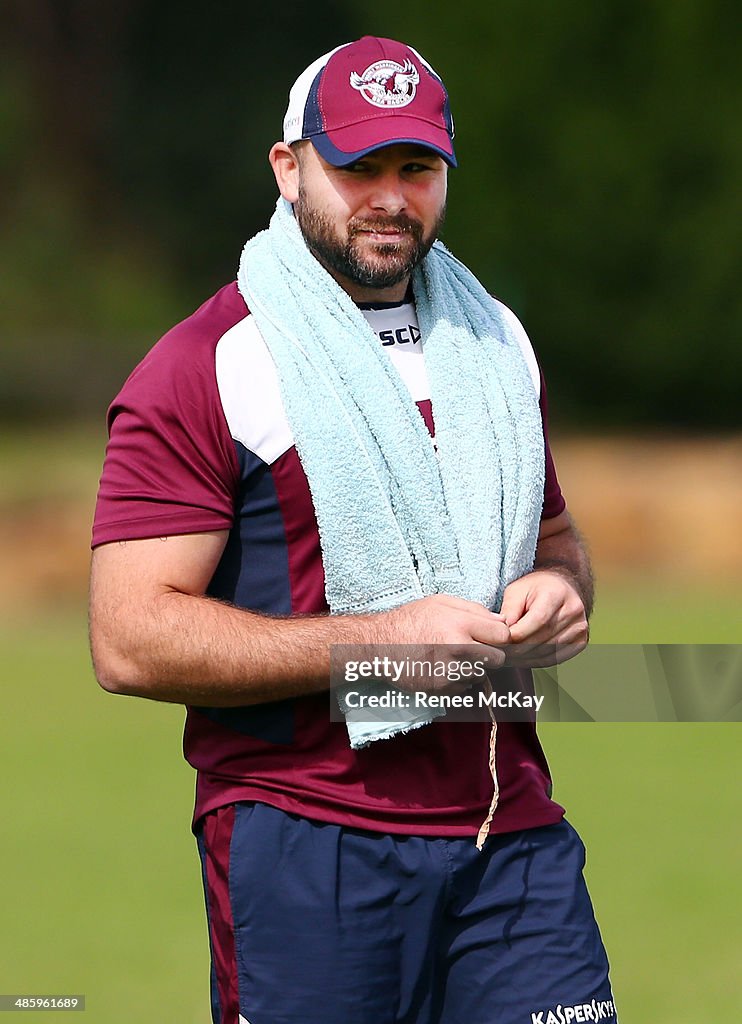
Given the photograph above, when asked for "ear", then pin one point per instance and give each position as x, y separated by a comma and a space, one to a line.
286, 170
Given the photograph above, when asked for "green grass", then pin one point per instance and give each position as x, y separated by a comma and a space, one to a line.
100, 880
648, 611
658, 807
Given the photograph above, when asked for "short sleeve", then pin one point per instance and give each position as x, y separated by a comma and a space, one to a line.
170, 465
554, 502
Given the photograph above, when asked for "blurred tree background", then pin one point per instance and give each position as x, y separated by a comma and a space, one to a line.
598, 189
598, 195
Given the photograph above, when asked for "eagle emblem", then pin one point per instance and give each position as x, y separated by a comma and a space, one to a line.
387, 83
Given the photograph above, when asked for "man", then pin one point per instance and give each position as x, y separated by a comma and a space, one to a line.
254, 453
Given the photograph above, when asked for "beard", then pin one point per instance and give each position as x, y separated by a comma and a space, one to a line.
373, 265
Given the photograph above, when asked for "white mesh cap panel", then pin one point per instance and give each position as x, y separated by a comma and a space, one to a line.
294, 119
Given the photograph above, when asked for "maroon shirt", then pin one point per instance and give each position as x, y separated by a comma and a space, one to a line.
199, 441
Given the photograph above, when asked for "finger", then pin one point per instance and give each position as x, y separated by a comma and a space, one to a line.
528, 655
541, 622
473, 609
513, 605
542, 655
485, 656
459, 603
492, 632
492, 655
561, 629
478, 611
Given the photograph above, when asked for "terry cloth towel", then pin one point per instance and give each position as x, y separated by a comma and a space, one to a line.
400, 517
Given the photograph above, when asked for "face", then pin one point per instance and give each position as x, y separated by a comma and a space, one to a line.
371, 223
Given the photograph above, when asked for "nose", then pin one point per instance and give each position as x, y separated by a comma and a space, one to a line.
388, 194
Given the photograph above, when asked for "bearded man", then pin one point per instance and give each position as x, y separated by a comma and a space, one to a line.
347, 448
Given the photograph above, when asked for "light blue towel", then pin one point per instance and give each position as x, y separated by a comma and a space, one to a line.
398, 521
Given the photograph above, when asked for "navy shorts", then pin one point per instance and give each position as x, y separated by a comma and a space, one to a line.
311, 923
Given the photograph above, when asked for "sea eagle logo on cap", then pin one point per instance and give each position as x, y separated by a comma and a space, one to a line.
387, 83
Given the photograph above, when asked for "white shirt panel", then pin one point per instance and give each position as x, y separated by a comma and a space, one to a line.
251, 395
524, 344
398, 331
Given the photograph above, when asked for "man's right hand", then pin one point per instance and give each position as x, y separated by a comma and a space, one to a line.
443, 619
442, 629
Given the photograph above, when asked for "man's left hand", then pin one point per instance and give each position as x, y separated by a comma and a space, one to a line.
546, 617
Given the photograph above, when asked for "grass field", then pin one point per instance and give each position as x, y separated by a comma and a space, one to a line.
101, 890
100, 880
101, 883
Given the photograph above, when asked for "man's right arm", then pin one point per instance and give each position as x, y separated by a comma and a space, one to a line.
154, 632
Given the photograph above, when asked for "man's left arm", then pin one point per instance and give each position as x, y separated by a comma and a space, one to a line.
548, 609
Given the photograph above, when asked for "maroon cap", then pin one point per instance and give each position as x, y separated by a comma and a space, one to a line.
368, 94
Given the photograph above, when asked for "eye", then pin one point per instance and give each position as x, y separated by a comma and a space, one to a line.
359, 167
418, 166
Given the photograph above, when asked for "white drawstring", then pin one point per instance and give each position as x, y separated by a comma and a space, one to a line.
485, 829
